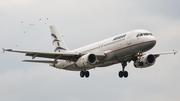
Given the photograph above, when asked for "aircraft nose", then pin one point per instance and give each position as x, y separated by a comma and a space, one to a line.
153, 41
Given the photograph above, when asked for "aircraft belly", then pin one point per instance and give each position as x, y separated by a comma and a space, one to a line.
73, 68
70, 66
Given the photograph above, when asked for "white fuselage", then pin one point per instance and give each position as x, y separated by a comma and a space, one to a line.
117, 49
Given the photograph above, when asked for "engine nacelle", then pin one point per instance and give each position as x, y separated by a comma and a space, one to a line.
86, 60
145, 61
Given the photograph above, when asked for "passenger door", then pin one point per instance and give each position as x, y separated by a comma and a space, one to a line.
129, 38
101, 48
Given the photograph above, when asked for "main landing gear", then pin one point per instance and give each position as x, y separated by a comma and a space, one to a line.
84, 73
123, 73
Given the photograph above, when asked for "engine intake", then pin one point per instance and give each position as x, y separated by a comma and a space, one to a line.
86, 60
145, 61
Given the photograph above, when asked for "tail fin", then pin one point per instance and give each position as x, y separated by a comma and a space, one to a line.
57, 41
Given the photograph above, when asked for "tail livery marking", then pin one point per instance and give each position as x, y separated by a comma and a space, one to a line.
53, 35
56, 40
60, 48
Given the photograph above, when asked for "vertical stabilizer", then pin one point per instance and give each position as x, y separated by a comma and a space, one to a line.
57, 41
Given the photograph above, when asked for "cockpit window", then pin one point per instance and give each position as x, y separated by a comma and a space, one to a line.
144, 34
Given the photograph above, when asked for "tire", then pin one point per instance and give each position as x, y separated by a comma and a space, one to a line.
121, 74
125, 73
140, 64
82, 74
87, 74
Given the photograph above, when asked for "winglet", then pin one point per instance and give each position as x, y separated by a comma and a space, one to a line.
6, 50
3, 50
175, 52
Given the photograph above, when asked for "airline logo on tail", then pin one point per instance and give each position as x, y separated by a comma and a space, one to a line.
58, 43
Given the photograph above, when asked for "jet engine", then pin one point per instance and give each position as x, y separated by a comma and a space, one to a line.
86, 60
145, 61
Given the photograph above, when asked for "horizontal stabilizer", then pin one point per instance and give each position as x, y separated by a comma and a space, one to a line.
40, 61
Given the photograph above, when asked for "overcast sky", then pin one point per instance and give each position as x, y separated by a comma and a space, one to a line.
82, 22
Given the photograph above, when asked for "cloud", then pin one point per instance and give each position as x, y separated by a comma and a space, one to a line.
162, 8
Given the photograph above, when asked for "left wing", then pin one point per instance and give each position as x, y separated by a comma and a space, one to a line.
134, 57
71, 56
41, 61
164, 53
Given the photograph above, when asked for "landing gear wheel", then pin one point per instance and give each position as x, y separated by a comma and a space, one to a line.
82, 73
140, 63
120, 74
87, 74
125, 73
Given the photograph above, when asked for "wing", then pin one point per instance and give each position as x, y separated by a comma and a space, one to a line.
135, 56
164, 53
40, 61
71, 56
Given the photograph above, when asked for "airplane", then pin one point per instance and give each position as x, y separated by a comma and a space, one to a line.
123, 48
